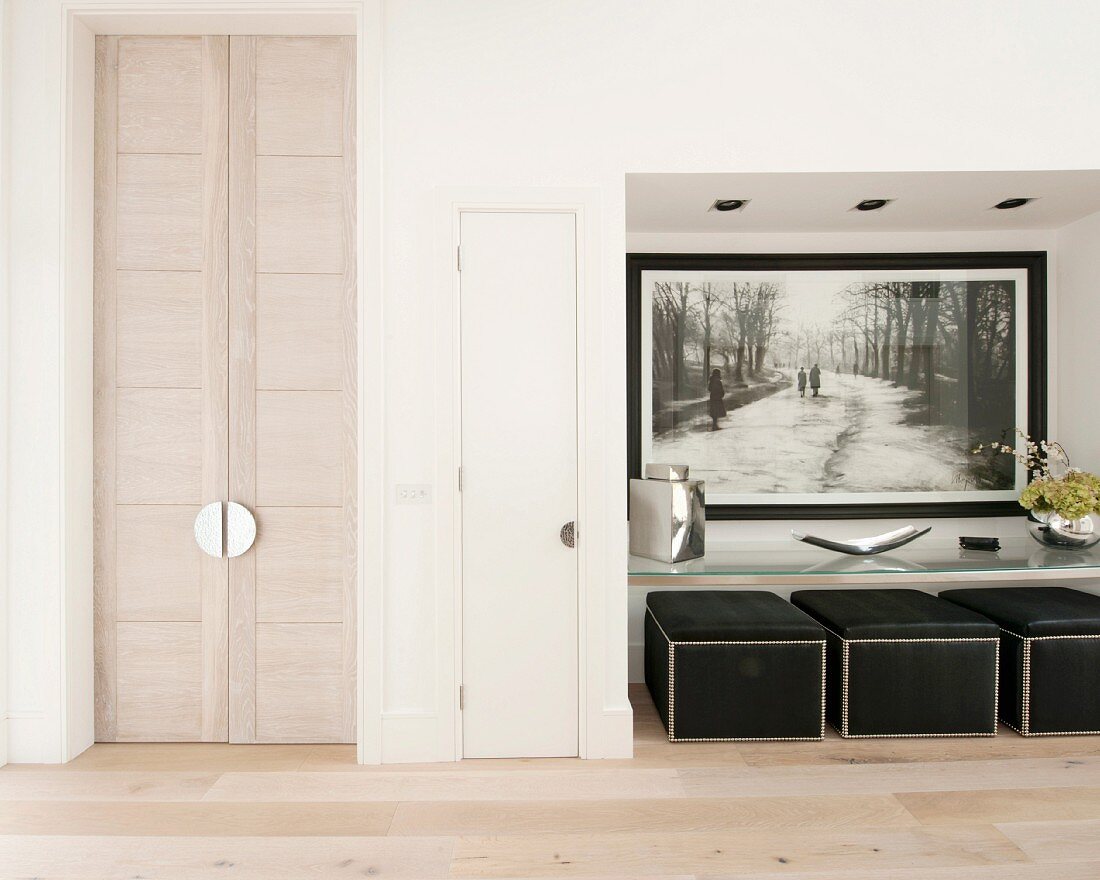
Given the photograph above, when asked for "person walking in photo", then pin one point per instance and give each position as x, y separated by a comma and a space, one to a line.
717, 404
815, 379
801, 381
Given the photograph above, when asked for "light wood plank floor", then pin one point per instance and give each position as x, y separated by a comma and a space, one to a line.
949, 809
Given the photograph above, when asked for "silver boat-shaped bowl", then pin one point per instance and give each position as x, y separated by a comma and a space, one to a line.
866, 546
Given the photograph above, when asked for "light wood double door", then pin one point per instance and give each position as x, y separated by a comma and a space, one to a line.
225, 370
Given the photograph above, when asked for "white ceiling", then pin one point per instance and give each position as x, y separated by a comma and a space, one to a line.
824, 202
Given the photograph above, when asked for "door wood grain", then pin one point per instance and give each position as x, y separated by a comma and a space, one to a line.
293, 388
160, 361
159, 329
242, 381
225, 370
104, 279
160, 96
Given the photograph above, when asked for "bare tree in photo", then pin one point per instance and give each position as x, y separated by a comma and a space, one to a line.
766, 306
911, 374
712, 299
670, 322
742, 297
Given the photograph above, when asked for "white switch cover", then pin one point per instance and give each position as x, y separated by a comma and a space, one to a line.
414, 493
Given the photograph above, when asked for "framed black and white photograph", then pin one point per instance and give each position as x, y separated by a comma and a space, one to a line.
838, 385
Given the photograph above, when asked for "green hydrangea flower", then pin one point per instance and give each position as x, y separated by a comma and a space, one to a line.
1034, 498
1074, 496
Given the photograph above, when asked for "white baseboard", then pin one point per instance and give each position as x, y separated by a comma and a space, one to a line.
407, 737
415, 737
615, 736
411, 738
25, 739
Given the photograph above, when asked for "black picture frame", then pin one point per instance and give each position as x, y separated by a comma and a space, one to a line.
1033, 262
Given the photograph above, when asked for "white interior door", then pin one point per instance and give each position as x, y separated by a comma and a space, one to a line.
519, 484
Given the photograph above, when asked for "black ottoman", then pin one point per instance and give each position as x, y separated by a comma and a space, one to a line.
1050, 656
904, 663
734, 665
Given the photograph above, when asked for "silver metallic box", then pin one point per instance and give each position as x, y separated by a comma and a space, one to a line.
667, 514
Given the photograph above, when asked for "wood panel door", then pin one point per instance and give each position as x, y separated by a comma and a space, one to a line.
225, 370
293, 387
519, 484
161, 386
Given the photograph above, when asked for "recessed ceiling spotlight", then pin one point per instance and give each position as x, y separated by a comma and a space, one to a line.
1008, 204
872, 204
729, 204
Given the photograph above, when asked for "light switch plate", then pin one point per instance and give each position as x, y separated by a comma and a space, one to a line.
414, 493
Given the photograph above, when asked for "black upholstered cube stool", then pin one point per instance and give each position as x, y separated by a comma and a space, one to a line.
905, 663
734, 665
1050, 656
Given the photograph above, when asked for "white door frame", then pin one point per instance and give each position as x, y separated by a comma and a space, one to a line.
70, 640
451, 204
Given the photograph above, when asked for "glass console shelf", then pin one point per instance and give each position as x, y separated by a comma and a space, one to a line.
923, 561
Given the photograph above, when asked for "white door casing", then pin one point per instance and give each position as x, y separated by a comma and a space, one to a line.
64, 726
519, 455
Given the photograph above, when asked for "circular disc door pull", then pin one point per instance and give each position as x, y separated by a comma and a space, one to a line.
208, 529
568, 534
240, 528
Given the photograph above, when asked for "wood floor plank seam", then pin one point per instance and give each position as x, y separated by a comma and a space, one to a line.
1088, 870
243, 858
730, 852
194, 819
510, 818
1002, 806
1053, 842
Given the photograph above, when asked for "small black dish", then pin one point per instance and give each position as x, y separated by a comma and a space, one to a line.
976, 543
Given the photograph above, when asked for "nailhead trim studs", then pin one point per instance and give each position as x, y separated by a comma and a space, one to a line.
844, 687
1025, 697
1026, 716
845, 654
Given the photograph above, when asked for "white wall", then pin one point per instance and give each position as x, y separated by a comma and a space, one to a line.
1078, 332
567, 93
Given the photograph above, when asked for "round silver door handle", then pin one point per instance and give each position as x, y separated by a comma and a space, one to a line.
240, 528
229, 536
568, 534
208, 529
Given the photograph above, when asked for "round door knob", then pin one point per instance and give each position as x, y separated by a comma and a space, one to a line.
568, 534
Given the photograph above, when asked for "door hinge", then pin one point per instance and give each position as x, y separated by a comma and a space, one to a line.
460, 478
461, 697
458, 258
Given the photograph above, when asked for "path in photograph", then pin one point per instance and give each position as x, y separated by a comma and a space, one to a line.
853, 438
